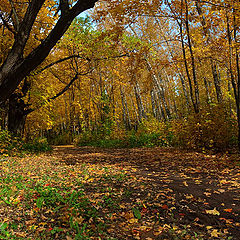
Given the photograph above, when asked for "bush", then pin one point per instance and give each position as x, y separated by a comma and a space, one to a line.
209, 130
9, 145
130, 140
14, 146
61, 139
37, 145
213, 129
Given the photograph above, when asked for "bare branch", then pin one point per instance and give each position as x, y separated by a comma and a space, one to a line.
5, 23
68, 85
16, 20
61, 92
78, 56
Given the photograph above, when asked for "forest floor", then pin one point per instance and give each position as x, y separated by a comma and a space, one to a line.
93, 193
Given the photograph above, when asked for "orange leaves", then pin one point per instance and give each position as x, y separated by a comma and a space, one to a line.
165, 207
229, 210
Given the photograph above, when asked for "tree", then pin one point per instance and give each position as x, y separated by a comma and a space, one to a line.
19, 62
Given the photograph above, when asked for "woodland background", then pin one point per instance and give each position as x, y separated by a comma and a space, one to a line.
131, 73
123, 77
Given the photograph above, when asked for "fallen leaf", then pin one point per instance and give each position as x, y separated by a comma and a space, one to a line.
213, 212
209, 227
228, 210
215, 233
164, 207
133, 220
185, 183
68, 238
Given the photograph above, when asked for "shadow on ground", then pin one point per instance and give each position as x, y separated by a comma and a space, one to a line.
183, 187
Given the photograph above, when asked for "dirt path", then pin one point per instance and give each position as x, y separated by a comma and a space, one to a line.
187, 193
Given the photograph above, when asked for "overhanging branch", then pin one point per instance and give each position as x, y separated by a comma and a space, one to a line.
80, 57
60, 92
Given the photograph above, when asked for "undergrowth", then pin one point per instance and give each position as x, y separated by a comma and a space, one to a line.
210, 130
15, 146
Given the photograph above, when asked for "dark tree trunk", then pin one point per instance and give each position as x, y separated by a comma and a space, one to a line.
4, 115
235, 82
195, 103
194, 74
216, 76
16, 115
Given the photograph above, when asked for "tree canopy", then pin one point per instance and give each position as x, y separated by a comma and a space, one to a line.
128, 64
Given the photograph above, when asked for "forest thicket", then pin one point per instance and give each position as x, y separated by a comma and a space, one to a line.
130, 73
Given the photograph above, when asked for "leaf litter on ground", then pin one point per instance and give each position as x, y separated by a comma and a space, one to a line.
93, 193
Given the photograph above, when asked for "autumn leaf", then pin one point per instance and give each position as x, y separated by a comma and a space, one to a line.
215, 233
213, 212
185, 183
164, 207
228, 210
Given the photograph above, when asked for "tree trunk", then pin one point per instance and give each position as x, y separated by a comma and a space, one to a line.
216, 82
158, 83
135, 110
154, 107
194, 75
235, 27
216, 77
126, 117
195, 106
16, 115
141, 110
235, 85
182, 78
208, 99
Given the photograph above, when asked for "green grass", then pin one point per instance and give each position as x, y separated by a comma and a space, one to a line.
50, 206
130, 141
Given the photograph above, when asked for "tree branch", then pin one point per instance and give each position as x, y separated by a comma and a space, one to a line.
59, 93
64, 6
16, 22
5, 23
78, 56
25, 28
59, 61
15, 68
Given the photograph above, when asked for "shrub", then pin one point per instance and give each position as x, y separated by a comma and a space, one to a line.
13, 146
61, 139
37, 145
130, 140
9, 145
209, 130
